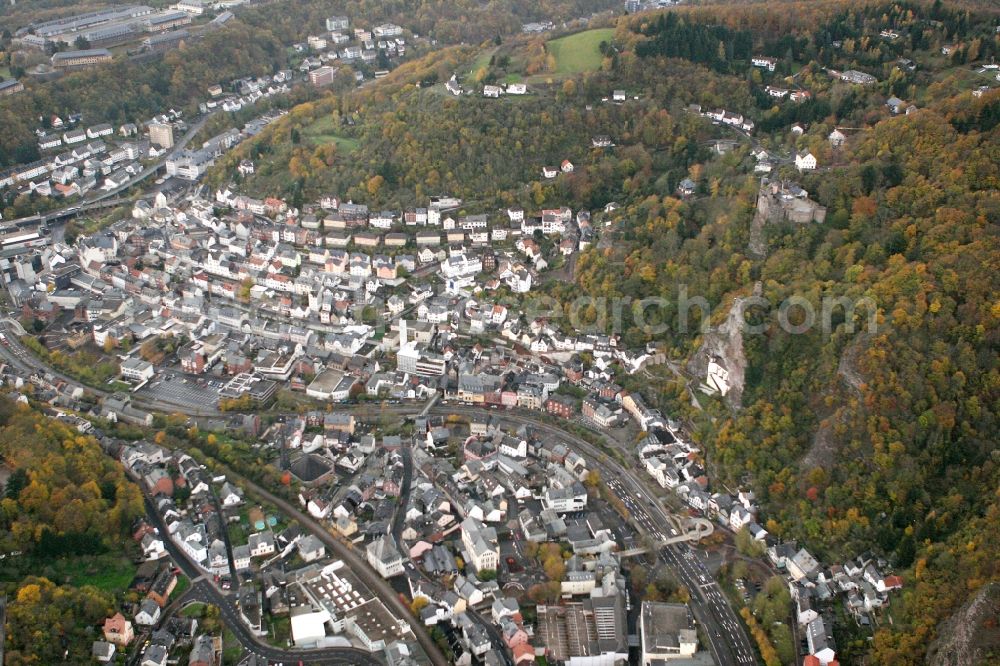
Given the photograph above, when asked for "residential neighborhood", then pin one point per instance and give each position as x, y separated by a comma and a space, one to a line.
485, 336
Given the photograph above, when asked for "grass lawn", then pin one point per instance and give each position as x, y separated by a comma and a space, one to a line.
237, 534
345, 144
323, 131
281, 631
231, 648
481, 62
194, 610
109, 573
183, 583
580, 52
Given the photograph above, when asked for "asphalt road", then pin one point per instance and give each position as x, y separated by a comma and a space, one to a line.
727, 639
203, 590
399, 519
357, 565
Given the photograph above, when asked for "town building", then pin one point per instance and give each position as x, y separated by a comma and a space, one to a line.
10, 87
480, 542
666, 632
384, 556
83, 58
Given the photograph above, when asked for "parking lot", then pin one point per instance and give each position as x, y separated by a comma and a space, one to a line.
180, 391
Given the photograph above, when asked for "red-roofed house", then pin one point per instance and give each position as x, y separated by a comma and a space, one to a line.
118, 630
524, 654
893, 582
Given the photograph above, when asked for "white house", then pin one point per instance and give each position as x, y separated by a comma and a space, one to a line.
739, 518
149, 613
137, 369
480, 544
384, 556
230, 495
801, 565
804, 611
718, 377
103, 651
805, 161
818, 642
764, 62
241, 557
311, 548
262, 543
565, 500
152, 546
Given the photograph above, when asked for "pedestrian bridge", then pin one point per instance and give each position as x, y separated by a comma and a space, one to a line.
695, 530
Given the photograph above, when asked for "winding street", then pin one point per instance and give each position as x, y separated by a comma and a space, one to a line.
204, 590
726, 636
357, 565
727, 639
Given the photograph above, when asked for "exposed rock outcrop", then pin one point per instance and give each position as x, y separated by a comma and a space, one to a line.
724, 345
971, 636
825, 446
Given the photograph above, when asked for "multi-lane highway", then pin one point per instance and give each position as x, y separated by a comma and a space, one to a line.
727, 640
675, 530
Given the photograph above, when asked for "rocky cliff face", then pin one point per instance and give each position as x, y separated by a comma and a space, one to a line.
725, 344
971, 636
757, 246
825, 445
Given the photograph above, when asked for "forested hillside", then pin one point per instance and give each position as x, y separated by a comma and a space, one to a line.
128, 91
65, 505
858, 439
408, 143
255, 44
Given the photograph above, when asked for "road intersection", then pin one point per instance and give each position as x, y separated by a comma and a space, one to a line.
727, 639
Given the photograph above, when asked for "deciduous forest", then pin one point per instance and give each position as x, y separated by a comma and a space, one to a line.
855, 440
64, 501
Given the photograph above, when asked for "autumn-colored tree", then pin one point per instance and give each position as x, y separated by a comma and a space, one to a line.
418, 605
